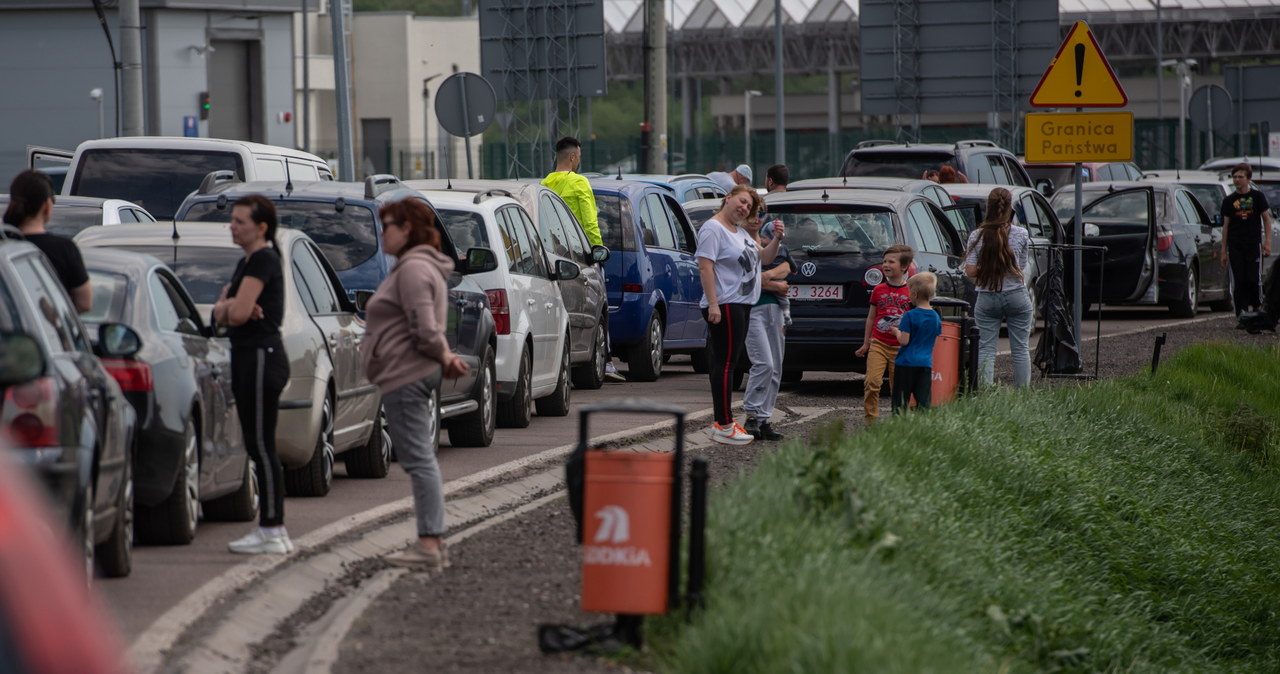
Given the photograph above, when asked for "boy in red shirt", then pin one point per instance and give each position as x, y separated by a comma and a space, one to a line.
889, 301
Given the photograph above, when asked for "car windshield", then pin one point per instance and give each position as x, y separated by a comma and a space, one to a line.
1131, 208
854, 230
346, 238
609, 210
896, 164
157, 180
466, 229
1269, 189
204, 270
110, 290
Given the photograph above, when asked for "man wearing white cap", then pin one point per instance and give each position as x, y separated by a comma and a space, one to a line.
738, 176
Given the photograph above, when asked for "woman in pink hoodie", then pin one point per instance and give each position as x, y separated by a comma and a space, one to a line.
405, 355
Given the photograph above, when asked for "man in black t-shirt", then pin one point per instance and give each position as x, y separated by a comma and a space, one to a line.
1246, 238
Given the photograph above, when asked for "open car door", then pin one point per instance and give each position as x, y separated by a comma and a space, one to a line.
51, 161
1123, 222
964, 217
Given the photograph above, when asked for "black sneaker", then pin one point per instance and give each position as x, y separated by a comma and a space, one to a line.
767, 432
753, 427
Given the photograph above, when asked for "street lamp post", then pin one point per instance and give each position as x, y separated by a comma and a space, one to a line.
1183, 68
426, 122
95, 95
746, 124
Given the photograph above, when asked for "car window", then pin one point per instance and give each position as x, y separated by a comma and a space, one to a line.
57, 319
999, 172
1017, 175
1187, 208
1209, 196
167, 316
1046, 216
579, 246
1119, 212
926, 231
822, 231
110, 290
551, 228
204, 270
906, 164
346, 238
538, 257
937, 195
312, 282
71, 220
1032, 218
127, 215
178, 298
679, 224
614, 218
652, 222
516, 242
302, 171
157, 180
269, 168
467, 230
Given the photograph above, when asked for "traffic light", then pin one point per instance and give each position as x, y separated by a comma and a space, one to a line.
204, 105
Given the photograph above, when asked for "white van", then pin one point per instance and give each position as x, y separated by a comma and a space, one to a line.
158, 172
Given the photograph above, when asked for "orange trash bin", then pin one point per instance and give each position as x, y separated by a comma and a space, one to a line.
946, 363
626, 543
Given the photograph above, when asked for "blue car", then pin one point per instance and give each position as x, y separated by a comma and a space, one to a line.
685, 187
651, 278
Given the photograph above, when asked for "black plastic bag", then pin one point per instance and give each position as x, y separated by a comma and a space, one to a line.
1058, 351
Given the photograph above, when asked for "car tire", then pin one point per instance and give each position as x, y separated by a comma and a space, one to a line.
590, 376
115, 555
240, 505
516, 411
373, 459
645, 360
557, 404
1186, 306
475, 429
792, 376
699, 358
315, 478
174, 521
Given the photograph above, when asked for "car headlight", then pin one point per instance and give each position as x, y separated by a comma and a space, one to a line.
873, 276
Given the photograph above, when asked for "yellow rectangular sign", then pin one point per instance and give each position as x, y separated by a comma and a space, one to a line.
1079, 136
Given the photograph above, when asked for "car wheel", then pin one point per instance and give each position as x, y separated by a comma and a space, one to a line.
699, 359
174, 521
557, 404
315, 478
240, 505
1186, 306
591, 375
516, 411
645, 361
115, 555
373, 459
475, 429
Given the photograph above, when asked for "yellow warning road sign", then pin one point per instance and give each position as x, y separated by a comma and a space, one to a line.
1079, 76
1079, 136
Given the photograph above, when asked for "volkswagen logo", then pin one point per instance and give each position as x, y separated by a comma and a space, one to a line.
808, 269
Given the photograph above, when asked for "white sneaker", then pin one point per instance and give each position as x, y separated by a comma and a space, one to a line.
611, 374
731, 435
259, 542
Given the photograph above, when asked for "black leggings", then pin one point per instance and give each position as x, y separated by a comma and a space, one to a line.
1246, 275
912, 381
258, 375
726, 341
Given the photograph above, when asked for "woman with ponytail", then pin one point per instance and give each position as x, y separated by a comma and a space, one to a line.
997, 252
30, 207
252, 306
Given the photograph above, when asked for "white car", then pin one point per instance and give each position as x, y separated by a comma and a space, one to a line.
529, 316
73, 214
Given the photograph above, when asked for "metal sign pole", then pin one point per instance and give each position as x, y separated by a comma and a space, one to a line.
466, 123
1077, 272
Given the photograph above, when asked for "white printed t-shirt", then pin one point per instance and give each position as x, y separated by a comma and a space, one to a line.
737, 263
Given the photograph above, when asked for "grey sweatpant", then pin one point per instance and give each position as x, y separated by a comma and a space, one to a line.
413, 419
765, 347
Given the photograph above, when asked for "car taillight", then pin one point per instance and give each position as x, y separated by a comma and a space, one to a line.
1164, 239
632, 288
501, 311
873, 276
30, 414
132, 376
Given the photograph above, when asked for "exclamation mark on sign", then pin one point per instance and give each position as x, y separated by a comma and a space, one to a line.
1079, 66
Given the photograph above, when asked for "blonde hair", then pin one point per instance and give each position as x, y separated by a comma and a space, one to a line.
922, 287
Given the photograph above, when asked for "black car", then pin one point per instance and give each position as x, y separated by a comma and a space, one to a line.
1160, 246
838, 239
981, 161
190, 448
71, 423
342, 219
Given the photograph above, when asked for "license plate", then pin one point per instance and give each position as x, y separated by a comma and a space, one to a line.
816, 292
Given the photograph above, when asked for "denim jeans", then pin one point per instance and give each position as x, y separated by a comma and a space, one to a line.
1014, 308
765, 347
413, 422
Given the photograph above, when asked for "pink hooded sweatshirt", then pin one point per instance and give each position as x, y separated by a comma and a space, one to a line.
405, 320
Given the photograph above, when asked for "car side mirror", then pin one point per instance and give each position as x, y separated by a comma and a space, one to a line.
599, 254
566, 270
187, 326
480, 260
1045, 186
1091, 229
20, 359
362, 298
118, 340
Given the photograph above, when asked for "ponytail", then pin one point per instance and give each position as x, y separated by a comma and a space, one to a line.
28, 193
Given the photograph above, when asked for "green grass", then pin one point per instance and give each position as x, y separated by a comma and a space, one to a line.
1128, 526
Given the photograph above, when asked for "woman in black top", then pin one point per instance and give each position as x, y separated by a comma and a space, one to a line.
252, 305
30, 207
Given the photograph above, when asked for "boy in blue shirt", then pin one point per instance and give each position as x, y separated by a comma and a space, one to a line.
916, 331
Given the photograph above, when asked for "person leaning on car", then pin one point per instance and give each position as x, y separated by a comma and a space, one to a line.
1246, 223
30, 207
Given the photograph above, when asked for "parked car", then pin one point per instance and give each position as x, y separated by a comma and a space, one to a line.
72, 214
342, 219
1160, 246
1050, 178
699, 211
1209, 187
562, 239
71, 423
1266, 176
1031, 211
328, 406
838, 239
190, 451
529, 316
652, 276
981, 161
685, 187
927, 188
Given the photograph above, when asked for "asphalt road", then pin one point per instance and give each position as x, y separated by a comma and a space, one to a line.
162, 576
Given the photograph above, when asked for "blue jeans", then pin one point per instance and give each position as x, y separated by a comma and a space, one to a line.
413, 420
1012, 307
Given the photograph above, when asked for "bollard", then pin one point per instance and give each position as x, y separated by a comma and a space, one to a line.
1155, 352
697, 532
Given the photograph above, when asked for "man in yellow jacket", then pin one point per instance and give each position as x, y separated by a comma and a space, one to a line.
577, 195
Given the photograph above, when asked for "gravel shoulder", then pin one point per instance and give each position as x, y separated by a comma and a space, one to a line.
481, 615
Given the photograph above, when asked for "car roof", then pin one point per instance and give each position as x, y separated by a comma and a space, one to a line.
861, 182
280, 190
198, 234
78, 202
885, 198
1177, 174
624, 186
1255, 161
190, 143
468, 201
984, 189
1116, 185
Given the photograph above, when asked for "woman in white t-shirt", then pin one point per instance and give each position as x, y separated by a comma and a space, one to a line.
729, 262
